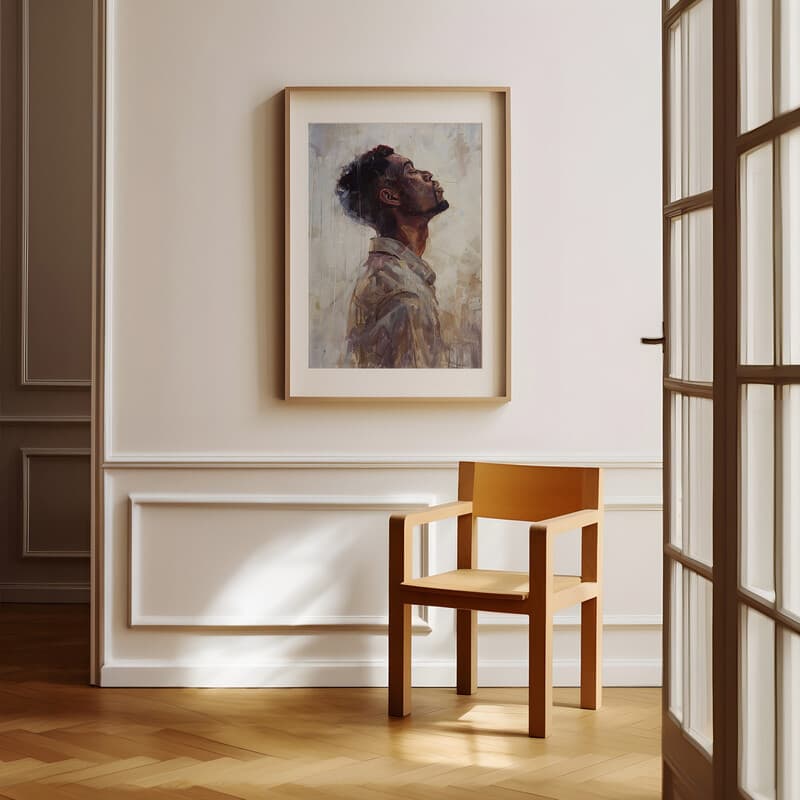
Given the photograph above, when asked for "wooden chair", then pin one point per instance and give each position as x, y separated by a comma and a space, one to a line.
555, 500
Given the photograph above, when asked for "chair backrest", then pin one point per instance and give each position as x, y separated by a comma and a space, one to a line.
528, 493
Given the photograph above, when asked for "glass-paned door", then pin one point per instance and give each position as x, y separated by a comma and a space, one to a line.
689, 222
731, 726
767, 594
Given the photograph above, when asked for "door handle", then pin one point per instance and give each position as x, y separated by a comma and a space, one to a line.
654, 339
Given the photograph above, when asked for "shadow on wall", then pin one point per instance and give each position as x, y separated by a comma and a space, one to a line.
325, 572
268, 230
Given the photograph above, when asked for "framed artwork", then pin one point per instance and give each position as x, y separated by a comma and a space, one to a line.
397, 243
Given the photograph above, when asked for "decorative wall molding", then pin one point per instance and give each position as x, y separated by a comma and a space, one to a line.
279, 624
616, 672
25, 379
644, 503
44, 592
277, 503
15, 419
27, 454
210, 461
488, 620
340, 503
282, 502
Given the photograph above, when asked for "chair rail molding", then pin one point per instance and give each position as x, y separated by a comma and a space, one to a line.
248, 461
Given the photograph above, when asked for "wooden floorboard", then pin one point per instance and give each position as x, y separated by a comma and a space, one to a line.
61, 739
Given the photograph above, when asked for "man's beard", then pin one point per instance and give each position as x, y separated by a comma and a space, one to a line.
442, 205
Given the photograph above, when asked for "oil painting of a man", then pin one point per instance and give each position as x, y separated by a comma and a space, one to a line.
394, 314
397, 307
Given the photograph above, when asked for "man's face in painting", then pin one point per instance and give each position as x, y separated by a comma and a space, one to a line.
413, 192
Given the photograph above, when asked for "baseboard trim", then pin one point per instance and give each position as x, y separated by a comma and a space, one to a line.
616, 672
44, 592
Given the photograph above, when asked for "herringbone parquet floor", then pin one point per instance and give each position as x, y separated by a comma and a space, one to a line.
63, 740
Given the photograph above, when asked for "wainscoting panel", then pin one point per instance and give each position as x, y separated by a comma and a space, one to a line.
275, 575
44, 468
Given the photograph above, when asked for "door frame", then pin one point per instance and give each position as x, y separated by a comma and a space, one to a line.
97, 572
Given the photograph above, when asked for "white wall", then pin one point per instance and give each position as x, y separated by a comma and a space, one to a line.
195, 330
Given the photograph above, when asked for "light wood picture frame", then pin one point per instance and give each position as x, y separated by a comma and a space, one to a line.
397, 243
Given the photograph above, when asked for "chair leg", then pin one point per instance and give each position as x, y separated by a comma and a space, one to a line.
399, 659
466, 652
540, 673
591, 653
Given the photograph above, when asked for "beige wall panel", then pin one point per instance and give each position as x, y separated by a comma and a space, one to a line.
15, 568
56, 503
57, 164
45, 297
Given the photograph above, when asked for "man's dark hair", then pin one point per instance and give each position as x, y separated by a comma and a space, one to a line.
357, 187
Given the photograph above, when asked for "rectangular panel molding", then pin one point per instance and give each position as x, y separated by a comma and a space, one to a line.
59, 512
56, 100
153, 583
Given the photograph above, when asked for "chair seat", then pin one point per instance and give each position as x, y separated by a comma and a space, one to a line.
499, 585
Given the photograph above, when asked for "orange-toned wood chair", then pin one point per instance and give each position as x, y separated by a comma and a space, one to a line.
554, 500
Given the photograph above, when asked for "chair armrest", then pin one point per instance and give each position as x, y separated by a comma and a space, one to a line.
567, 522
445, 511
401, 527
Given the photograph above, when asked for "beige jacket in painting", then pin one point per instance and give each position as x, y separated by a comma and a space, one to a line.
394, 314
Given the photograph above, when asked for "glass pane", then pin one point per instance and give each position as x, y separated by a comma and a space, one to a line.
700, 304
699, 106
677, 432
676, 261
676, 641
791, 501
756, 257
690, 102
755, 63
790, 240
691, 296
700, 717
700, 464
676, 112
789, 722
758, 496
790, 57
757, 765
